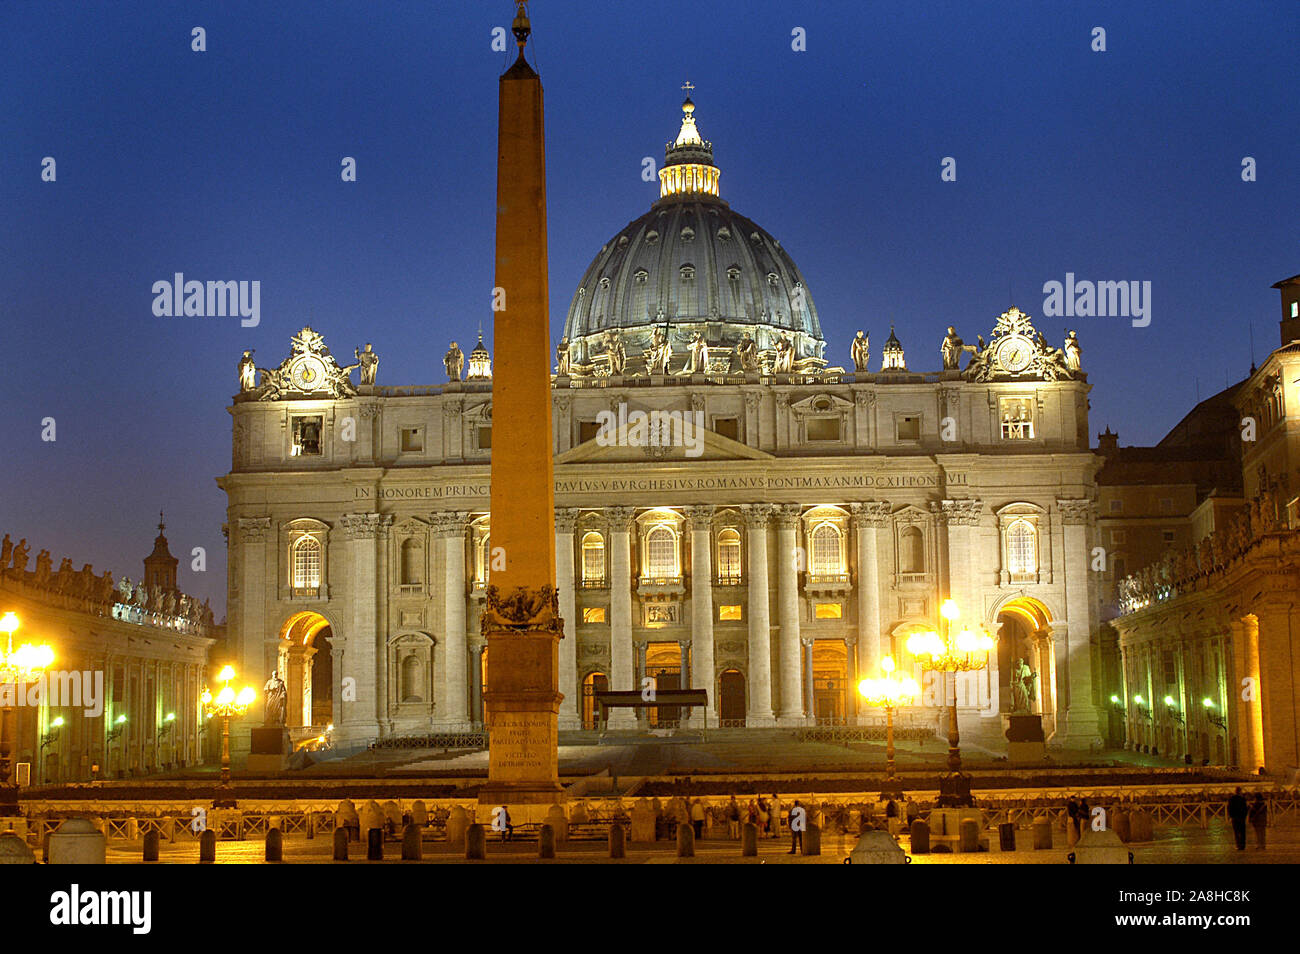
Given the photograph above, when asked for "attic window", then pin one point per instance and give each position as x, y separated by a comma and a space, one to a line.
688, 273
651, 237
622, 241
733, 273
724, 233
688, 234
640, 276
771, 279
756, 238
604, 283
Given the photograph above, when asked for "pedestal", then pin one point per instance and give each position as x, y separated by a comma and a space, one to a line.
1025, 739
269, 749
523, 704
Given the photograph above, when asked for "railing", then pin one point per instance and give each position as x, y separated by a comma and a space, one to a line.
442, 740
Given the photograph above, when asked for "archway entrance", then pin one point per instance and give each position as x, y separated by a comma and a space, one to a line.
830, 676
593, 683
663, 664
731, 699
305, 662
1026, 634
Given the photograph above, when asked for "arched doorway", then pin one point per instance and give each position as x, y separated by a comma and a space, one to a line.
830, 676
593, 683
305, 661
731, 699
663, 664
1025, 633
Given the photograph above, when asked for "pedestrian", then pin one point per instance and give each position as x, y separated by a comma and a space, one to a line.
752, 816
507, 829
1237, 812
1259, 819
764, 817
1085, 816
913, 811
697, 818
1071, 822
796, 820
774, 817
891, 809
733, 818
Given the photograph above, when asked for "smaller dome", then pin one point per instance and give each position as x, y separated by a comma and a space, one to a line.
892, 358
480, 362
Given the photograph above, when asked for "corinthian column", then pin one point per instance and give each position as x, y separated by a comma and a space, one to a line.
570, 708
620, 612
759, 709
363, 650
700, 521
787, 575
1082, 720
868, 520
454, 698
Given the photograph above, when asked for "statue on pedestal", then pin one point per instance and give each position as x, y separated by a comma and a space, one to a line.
661, 352
1072, 351
747, 353
276, 695
614, 350
562, 357
951, 349
1020, 675
247, 372
369, 362
454, 362
784, 363
698, 362
860, 351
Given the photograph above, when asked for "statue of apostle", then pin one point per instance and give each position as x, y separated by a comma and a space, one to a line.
698, 362
454, 362
562, 357
614, 350
247, 372
369, 362
276, 695
784, 363
860, 351
1072, 351
951, 349
747, 353
661, 352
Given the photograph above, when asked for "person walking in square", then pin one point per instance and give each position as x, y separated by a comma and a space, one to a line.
1237, 812
697, 818
1258, 817
733, 818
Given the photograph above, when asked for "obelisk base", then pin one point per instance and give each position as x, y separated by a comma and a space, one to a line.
523, 707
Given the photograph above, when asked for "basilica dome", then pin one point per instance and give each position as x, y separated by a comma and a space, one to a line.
691, 265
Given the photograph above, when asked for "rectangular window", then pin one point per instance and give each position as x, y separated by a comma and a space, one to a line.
412, 439
307, 436
593, 614
909, 428
1295, 309
727, 427
587, 431
1017, 418
726, 613
1121, 568
1117, 536
485, 438
1168, 535
823, 429
828, 611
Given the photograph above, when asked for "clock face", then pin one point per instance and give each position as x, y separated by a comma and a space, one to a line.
1015, 353
308, 374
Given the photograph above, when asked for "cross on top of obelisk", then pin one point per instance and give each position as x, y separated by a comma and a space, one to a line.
688, 86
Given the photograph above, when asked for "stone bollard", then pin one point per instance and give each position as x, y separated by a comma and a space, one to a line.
546, 841
132, 829
617, 841
920, 837
457, 823
685, 841
812, 840
14, 850
1119, 821
419, 813
207, 847
968, 835
556, 818
475, 842
274, 844
340, 844
749, 840
1042, 829
77, 842
412, 849
375, 844
151, 845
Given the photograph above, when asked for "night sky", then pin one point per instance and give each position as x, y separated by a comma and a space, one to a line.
1122, 165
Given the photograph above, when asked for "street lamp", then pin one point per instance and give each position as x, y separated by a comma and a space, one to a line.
888, 692
225, 705
52, 736
946, 651
1212, 714
19, 667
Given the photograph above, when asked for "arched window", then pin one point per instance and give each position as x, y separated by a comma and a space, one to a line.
661, 553
911, 551
1022, 550
483, 561
826, 556
729, 556
412, 563
412, 679
306, 563
593, 559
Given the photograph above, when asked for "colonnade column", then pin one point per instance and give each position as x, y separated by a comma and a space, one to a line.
571, 708
787, 574
620, 612
454, 698
700, 522
759, 703
1082, 720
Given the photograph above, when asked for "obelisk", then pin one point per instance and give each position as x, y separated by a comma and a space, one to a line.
521, 614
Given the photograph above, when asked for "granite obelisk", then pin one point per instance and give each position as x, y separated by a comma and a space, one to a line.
521, 614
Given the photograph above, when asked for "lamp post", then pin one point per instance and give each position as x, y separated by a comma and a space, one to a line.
225, 705
949, 652
17, 667
888, 692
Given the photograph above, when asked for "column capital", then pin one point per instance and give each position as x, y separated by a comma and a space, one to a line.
871, 513
684, 643
566, 519
1078, 511
359, 526
254, 529
806, 640
620, 518
448, 523
699, 516
641, 644
786, 516
958, 513
756, 515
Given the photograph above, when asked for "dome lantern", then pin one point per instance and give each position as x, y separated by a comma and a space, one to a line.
688, 161
892, 354
480, 362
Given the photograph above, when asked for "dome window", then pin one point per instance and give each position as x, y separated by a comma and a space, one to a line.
688, 234
622, 241
724, 234
604, 282
756, 238
651, 237
733, 273
771, 279
640, 276
688, 273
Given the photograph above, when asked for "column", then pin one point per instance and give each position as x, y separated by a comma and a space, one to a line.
638, 680
1082, 720
787, 573
759, 703
251, 634
476, 690
809, 690
453, 699
620, 612
362, 649
700, 521
571, 707
868, 520
1276, 628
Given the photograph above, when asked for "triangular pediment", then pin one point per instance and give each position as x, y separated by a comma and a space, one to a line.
619, 448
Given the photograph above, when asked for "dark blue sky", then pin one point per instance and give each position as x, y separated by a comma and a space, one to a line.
1123, 165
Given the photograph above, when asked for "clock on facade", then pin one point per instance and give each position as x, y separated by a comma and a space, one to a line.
308, 373
1015, 353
